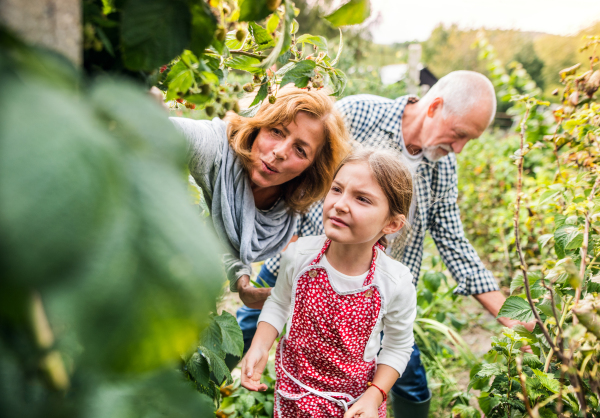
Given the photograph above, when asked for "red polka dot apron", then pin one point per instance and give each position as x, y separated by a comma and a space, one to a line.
320, 363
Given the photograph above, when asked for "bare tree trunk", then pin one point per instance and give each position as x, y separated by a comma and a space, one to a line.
55, 24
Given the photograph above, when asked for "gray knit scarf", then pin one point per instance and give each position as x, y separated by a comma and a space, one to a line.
248, 233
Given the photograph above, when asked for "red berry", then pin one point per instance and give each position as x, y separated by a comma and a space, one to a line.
179, 100
163, 68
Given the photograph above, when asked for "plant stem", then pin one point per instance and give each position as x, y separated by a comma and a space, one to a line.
523, 265
584, 249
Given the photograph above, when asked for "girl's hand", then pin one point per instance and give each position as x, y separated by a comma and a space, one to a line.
253, 364
367, 405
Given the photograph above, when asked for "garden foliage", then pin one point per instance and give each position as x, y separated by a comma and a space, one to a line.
109, 273
557, 287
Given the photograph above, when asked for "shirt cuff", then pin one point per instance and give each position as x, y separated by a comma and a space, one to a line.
479, 283
235, 276
396, 362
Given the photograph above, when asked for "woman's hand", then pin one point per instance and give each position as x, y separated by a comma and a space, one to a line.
253, 297
367, 405
253, 364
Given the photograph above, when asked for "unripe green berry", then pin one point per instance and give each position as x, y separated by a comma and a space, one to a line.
220, 34
240, 35
248, 87
210, 110
272, 99
205, 89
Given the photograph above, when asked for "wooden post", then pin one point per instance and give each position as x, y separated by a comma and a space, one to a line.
55, 24
414, 61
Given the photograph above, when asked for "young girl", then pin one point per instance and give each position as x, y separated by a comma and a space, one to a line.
336, 293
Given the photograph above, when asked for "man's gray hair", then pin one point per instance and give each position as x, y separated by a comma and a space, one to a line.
461, 91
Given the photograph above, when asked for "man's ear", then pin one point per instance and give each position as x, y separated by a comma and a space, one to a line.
435, 106
394, 225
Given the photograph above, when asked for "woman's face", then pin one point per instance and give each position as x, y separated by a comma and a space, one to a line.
281, 152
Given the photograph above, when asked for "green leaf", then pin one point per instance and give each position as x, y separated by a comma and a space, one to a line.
317, 41
433, 280
516, 308
181, 83
253, 10
204, 25
153, 33
262, 93
351, 13
518, 281
261, 36
231, 334
212, 338
532, 361
299, 74
217, 366
547, 380
568, 237
198, 367
244, 63
464, 411
273, 22
231, 41
491, 369
487, 402
285, 39
543, 240
338, 80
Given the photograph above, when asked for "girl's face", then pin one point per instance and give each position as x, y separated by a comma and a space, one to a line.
356, 210
282, 153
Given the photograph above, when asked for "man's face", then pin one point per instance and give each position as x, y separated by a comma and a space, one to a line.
442, 136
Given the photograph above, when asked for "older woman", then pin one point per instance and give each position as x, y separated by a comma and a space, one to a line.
257, 174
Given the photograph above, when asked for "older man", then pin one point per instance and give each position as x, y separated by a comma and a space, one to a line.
428, 132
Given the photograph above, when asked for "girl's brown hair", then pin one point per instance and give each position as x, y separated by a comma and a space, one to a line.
391, 174
312, 185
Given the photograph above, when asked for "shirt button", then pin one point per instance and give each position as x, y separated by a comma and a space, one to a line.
312, 273
369, 293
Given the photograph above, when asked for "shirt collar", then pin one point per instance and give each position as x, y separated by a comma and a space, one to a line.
392, 121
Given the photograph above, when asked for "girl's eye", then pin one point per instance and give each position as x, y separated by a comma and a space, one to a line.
364, 200
277, 132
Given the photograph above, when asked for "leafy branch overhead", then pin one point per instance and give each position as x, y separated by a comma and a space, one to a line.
188, 47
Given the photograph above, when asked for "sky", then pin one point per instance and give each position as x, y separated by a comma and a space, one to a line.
401, 20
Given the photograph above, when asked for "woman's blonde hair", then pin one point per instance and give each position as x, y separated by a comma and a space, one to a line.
312, 185
391, 174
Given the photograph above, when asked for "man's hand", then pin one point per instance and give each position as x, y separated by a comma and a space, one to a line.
492, 302
253, 297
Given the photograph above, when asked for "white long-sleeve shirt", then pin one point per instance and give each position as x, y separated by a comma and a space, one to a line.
398, 300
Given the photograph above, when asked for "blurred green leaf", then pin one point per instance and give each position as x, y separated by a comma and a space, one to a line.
253, 10
153, 33
351, 13
204, 25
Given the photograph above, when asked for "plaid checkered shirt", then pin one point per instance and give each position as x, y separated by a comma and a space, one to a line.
377, 122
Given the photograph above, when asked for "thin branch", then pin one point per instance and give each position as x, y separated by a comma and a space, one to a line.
584, 249
523, 265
